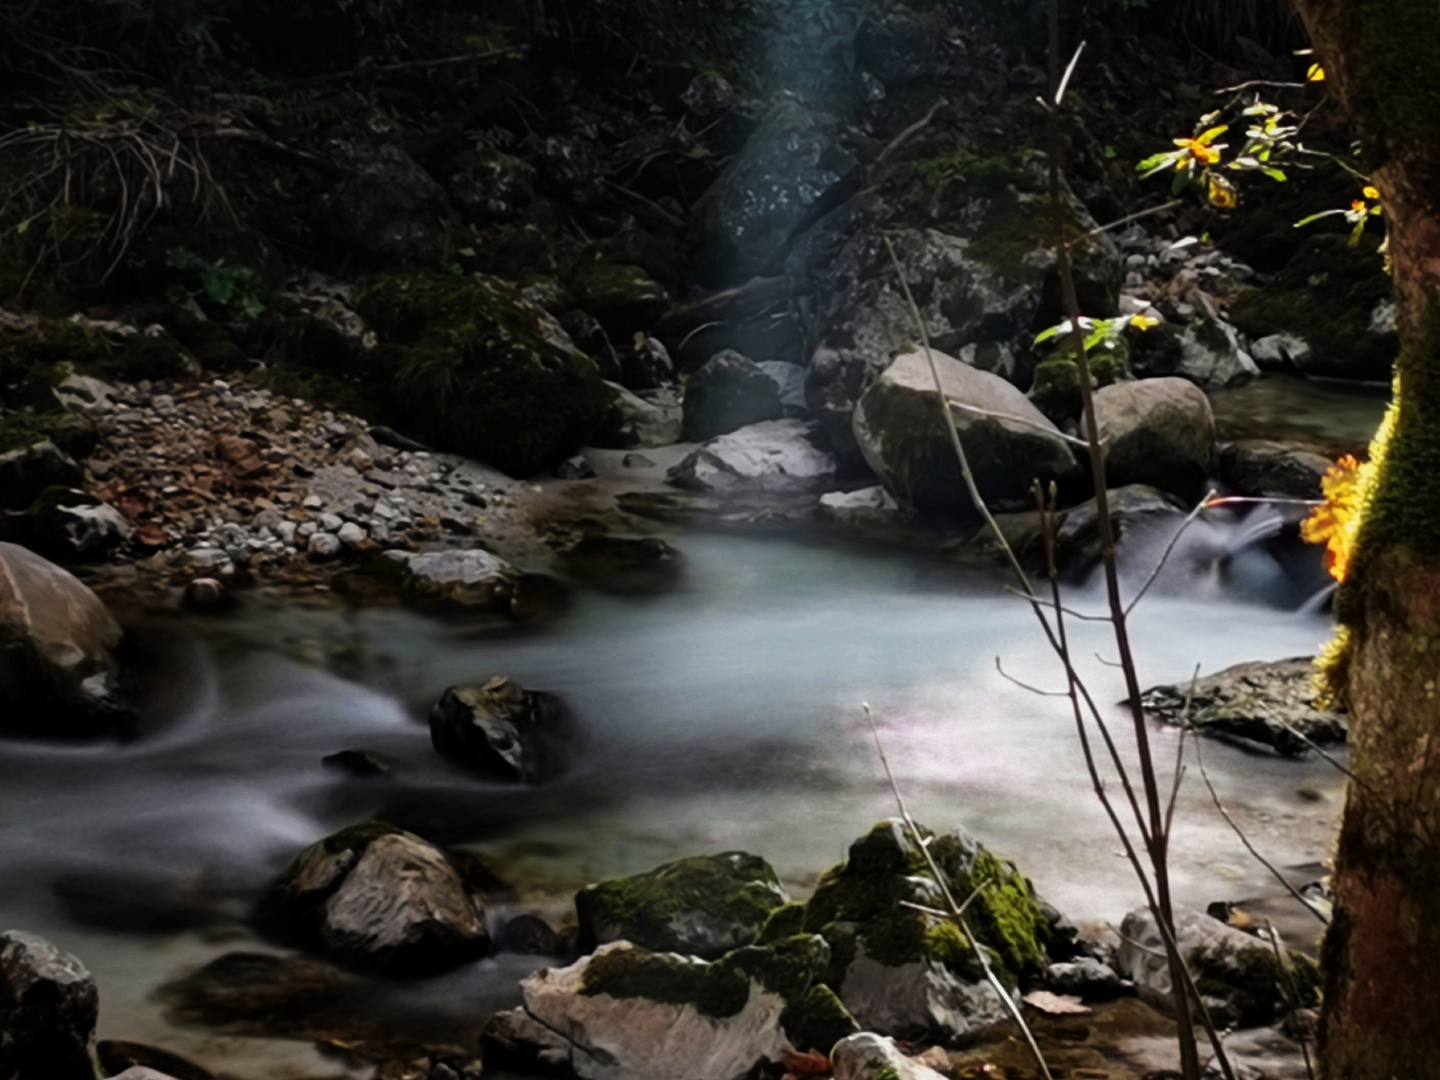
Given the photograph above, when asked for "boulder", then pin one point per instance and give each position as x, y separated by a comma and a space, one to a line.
1272, 704
793, 166
727, 393
58, 673
635, 422
1009, 443
26, 473
1260, 467
478, 369
69, 524
873, 509
1211, 356
1241, 980
983, 275
625, 1013
1158, 432
625, 299
1135, 511
907, 973
501, 729
382, 898
141, 1062
48, 1008
1086, 978
472, 578
391, 208
647, 364
704, 906
867, 1056
776, 456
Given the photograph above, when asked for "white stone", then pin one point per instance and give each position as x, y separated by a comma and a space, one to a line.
776, 455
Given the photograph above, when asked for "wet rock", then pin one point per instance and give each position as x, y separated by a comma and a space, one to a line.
611, 559
704, 906
1272, 704
528, 935
633, 421
48, 1008
625, 1013
1010, 445
647, 365
504, 730
139, 1061
472, 578
1279, 352
867, 1056
25, 474
625, 299
58, 673
728, 392
792, 167
364, 763
1260, 467
575, 468
1208, 354
384, 899
1086, 978
1135, 511
67, 524
1158, 432
391, 208
207, 596
1239, 976
909, 974
872, 508
259, 992
323, 546
776, 456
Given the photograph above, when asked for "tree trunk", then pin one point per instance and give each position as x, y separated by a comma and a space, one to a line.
1381, 957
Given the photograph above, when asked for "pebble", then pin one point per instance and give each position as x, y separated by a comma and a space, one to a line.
324, 546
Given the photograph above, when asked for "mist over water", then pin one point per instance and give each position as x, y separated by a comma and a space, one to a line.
723, 714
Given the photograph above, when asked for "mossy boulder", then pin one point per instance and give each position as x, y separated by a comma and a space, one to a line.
643, 1015
901, 432
1055, 390
729, 392
480, 370
704, 905
1159, 432
908, 973
1336, 298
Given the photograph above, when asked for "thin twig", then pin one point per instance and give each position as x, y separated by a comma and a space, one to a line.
909, 133
1133, 217
1170, 547
1026, 686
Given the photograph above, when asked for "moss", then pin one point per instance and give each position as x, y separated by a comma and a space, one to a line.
474, 370
784, 921
858, 906
1326, 294
975, 175
887, 1072
818, 1021
719, 989
1255, 983
147, 357
71, 432
733, 889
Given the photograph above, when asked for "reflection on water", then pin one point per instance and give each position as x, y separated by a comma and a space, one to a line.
1333, 417
725, 714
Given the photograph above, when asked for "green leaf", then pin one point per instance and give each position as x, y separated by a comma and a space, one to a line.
1317, 217
1275, 174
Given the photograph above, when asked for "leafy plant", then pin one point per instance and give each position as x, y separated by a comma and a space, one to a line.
1098, 332
229, 286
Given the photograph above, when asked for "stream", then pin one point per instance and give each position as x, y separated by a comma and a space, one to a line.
724, 713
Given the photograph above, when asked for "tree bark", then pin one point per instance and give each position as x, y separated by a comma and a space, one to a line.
1381, 956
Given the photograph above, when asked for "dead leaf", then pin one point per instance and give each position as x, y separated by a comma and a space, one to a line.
152, 535
1055, 1004
810, 1064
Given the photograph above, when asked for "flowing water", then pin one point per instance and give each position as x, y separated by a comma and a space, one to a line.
724, 713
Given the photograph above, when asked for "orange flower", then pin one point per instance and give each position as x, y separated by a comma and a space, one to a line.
1333, 522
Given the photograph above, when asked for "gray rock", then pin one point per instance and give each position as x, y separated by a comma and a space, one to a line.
1260, 467
323, 546
504, 730
1086, 977
705, 905
790, 378
391, 208
1277, 352
1268, 703
1159, 432
1010, 444
625, 1013
25, 473
48, 1008
470, 578
140, 1072
794, 161
919, 999
1239, 976
1211, 357
378, 896
647, 365
727, 393
58, 674
776, 456
569, 165
867, 1056
871, 508
494, 187
1135, 511
636, 422
351, 535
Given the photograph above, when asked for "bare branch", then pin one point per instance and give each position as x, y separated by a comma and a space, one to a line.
1170, 547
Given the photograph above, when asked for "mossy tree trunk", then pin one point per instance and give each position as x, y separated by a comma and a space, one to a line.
1381, 1018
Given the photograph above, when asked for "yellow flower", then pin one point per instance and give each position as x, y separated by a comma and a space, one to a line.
1220, 193
1333, 523
1315, 74
1143, 322
1370, 192
1358, 206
